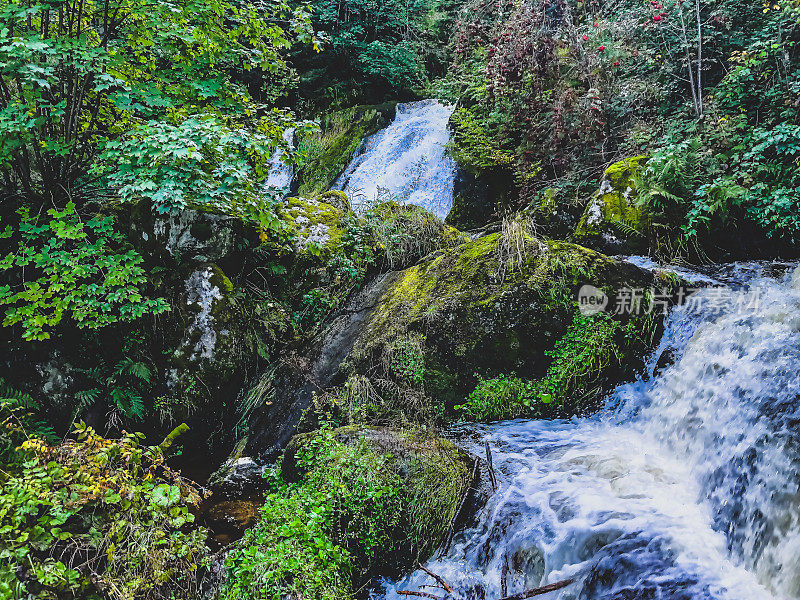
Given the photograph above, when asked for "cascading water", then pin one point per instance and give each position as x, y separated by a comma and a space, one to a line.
406, 161
686, 487
281, 172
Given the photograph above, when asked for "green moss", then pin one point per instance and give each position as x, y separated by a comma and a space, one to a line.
352, 503
432, 472
613, 209
220, 280
621, 173
316, 223
482, 314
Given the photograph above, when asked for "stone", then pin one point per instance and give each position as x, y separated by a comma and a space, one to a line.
613, 222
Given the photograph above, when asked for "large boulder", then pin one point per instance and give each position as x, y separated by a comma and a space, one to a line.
433, 472
355, 504
497, 305
613, 222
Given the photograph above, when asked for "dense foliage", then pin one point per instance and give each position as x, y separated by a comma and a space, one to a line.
150, 276
374, 51
317, 537
95, 518
552, 92
64, 266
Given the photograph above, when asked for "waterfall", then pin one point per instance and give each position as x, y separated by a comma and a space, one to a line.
686, 487
406, 161
281, 173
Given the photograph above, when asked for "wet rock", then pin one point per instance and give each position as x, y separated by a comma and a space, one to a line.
665, 360
527, 566
238, 477
279, 400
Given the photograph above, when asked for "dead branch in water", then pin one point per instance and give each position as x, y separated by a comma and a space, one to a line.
504, 576
438, 579
545, 589
451, 530
492, 476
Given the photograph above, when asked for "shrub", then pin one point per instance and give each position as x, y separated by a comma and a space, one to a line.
503, 397
405, 359
95, 517
590, 345
65, 266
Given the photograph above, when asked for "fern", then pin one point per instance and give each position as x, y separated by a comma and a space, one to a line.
19, 421
13, 398
139, 369
121, 384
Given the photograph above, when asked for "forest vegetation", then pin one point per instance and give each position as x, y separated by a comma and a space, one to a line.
166, 317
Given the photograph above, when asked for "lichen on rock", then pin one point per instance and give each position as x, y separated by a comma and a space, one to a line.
316, 223
202, 293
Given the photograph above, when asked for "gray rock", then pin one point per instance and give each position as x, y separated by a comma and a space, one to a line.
196, 236
238, 477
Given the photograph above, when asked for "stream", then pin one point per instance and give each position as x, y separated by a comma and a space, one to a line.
684, 487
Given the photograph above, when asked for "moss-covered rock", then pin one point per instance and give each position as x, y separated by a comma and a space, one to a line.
494, 306
410, 343
331, 150
434, 475
352, 504
317, 223
613, 222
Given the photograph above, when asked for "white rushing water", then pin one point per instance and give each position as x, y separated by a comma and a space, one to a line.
686, 487
281, 172
406, 161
